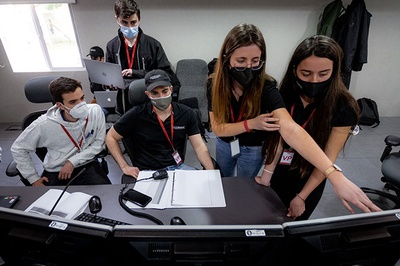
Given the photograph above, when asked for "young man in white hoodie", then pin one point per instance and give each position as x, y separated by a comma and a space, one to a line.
73, 133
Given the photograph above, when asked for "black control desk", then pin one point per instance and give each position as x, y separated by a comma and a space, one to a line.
247, 203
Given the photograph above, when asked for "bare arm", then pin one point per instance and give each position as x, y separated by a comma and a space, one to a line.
201, 151
112, 139
298, 139
262, 122
268, 170
333, 147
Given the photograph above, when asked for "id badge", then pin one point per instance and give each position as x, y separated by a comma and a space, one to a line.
177, 157
287, 157
235, 149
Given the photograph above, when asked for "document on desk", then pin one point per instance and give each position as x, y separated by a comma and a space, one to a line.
182, 189
69, 206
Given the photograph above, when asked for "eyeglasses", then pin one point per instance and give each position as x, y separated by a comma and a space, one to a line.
254, 66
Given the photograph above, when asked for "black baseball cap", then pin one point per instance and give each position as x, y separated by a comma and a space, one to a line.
96, 51
156, 78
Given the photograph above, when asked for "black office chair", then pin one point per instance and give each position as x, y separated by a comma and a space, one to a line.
37, 91
137, 96
391, 172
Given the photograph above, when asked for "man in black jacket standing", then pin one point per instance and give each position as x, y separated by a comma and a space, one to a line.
136, 52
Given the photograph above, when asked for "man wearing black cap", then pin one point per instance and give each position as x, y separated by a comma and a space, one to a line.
159, 129
96, 53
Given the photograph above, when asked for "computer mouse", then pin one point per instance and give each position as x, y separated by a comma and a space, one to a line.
95, 204
177, 221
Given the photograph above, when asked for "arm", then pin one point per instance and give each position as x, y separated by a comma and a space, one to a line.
268, 170
333, 147
112, 140
298, 139
201, 151
262, 122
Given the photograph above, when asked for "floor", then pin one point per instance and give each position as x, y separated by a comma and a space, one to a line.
359, 161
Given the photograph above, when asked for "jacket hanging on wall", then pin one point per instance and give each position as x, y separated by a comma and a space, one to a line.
328, 17
351, 30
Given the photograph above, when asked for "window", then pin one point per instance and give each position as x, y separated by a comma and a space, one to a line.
39, 37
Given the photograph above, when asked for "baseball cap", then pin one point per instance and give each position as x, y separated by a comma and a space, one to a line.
156, 78
96, 51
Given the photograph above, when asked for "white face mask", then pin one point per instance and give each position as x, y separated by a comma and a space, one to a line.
78, 111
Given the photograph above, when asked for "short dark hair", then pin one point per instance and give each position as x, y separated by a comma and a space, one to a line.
126, 8
63, 85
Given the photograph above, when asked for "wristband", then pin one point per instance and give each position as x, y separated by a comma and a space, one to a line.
268, 171
300, 197
246, 126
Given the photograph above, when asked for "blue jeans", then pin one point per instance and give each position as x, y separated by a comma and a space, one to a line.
248, 162
180, 167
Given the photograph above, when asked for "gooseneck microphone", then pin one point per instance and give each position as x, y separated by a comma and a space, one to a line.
65, 189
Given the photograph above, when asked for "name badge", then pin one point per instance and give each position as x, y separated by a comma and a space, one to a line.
235, 149
177, 157
287, 157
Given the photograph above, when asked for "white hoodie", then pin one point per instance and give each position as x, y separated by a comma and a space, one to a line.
46, 131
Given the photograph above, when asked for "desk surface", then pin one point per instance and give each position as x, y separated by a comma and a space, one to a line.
246, 203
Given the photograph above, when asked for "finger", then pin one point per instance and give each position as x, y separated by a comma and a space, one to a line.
348, 207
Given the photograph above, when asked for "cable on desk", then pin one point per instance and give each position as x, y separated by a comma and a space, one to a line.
136, 213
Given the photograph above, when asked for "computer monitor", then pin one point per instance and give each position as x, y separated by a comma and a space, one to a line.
359, 239
33, 239
198, 245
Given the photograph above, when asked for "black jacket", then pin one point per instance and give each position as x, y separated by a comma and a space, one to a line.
150, 55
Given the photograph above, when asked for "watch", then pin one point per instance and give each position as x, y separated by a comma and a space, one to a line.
334, 167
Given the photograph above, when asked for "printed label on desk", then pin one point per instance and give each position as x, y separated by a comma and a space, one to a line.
58, 225
255, 232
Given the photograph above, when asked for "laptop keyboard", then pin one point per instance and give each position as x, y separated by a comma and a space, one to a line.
91, 218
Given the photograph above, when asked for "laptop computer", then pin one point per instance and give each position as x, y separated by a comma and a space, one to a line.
106, 99
104, 73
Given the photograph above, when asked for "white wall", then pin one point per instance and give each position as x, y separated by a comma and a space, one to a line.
196, 29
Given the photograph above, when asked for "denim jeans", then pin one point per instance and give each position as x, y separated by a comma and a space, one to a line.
248, 162
180, 167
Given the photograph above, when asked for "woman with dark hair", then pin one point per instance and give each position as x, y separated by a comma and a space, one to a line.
244, 103
319, 102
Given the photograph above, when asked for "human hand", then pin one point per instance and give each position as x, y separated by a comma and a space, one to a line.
264, 122
66, 171
40, 181
127, 72
296, 208
263, 180
131, 171
348, 193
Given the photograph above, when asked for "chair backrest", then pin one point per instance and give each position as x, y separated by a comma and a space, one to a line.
37, 89
192, 74
136, 93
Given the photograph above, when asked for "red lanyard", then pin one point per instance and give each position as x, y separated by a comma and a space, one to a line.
305, 123
77, 145
240, 113
170, 140
130, 59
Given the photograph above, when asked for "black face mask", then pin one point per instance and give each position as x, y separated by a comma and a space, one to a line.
245, 77
312, 89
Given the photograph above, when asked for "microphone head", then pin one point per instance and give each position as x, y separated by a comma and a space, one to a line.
95, 204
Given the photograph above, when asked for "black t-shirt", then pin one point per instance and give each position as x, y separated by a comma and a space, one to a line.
152, 150
270, 100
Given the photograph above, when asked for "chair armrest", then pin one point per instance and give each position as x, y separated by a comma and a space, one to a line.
392, 140
12, 169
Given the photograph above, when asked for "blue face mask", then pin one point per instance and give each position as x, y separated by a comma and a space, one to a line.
129, 32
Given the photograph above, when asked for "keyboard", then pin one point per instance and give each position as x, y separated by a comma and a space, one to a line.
91, 218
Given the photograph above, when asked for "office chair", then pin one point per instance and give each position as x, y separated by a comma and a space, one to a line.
37, 91
391, 172
136, 96
192, 74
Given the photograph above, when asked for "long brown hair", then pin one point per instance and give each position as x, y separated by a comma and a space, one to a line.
241, 35
319, 127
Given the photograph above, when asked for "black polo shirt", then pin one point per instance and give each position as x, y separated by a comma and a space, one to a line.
152, 150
